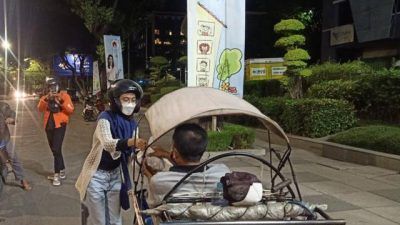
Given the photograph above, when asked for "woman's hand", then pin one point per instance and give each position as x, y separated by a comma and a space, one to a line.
138, 143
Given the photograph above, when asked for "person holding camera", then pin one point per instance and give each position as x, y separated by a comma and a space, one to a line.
57, 107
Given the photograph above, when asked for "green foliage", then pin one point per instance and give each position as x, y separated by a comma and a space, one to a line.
307, 117
287, 27
182, 60
35, 75
290, 41
379, 138
317, 117
231, 136
264, 88
295, 57
375, 96
166, 90
158, 66
94, 14
334, 71
229, 63
297, 54
334, 89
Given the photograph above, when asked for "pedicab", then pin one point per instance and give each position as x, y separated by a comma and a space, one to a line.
281, 201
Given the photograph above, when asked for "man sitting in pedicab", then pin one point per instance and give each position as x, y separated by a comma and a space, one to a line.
189, 144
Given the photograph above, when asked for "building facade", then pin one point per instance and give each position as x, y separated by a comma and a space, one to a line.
360, 29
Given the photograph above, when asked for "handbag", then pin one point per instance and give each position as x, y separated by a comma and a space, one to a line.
123, 193
236, 185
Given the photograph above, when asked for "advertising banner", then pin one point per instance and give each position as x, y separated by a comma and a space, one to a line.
61, 68
96, 78
113, 54
216, 38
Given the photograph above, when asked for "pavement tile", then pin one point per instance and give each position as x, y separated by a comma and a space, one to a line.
330, 187
361, 217
365, 199
305, 177
358, 182
334, 204
389, 179
370, 171
391, 213
392, 194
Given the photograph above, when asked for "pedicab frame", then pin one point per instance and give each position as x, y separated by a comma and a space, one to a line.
190, 103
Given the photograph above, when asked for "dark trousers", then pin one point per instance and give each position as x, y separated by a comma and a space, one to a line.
55, 137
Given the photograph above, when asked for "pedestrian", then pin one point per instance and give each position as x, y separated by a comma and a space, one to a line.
57, 107
9, 159
104, 180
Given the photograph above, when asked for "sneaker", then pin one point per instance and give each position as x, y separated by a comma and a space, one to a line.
55, 179
63, 176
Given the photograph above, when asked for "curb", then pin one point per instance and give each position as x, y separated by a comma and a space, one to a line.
339, 152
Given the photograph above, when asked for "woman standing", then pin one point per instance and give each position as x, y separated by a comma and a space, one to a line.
104, 179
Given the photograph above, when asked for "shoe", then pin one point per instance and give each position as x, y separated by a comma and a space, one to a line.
25, 185
56, 181
63, 176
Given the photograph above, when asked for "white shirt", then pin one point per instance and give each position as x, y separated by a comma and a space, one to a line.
202, 182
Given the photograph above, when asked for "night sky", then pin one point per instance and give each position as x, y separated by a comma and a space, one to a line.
48, 27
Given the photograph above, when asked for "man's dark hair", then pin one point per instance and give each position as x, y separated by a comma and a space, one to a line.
190, 141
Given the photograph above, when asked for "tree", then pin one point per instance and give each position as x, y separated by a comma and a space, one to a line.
77, 64
295, 58
229, 64
35, 75
158, 67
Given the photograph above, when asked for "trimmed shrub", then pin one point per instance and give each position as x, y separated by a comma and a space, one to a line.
378, 138
231, 137
317, 117
264, 88
334, 89
166, 90
336, 71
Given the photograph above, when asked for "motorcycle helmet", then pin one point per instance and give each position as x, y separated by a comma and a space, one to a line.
52, 85
120, 87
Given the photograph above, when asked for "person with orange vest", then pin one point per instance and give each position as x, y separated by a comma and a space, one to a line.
57, 107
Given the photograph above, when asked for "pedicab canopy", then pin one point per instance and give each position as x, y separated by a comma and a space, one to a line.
194, 102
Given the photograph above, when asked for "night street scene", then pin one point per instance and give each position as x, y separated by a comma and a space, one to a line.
199, 112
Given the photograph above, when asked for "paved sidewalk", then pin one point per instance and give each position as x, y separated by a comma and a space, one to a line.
359, 194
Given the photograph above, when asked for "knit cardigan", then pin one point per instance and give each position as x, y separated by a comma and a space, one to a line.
102, 139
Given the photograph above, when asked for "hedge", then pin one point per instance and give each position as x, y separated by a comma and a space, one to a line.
336, 71
271, 87
231, 136
378, 138
307, 117
375, 96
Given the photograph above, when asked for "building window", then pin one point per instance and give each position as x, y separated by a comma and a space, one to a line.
170, 33
396, 8
157, 31
167, 43
157, 41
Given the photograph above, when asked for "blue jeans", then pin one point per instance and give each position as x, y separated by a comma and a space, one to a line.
16, 164
102, 198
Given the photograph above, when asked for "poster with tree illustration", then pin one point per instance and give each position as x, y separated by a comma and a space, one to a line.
216, 36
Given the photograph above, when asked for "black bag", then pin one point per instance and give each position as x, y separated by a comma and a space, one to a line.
236, 185
124, 197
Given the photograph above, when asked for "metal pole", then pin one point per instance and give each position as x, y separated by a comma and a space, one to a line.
5, 49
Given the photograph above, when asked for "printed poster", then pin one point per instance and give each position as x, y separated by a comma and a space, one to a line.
216, 38
96, 78
114, 61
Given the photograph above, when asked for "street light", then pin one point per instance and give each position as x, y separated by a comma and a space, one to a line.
6, 45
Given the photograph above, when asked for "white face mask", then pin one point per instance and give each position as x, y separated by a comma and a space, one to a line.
128, 108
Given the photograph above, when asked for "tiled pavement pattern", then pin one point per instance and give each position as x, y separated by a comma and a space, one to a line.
360, 194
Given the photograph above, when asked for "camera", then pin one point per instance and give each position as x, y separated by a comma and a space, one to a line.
53, 106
